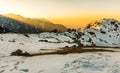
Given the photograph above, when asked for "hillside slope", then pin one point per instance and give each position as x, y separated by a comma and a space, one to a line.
11, 25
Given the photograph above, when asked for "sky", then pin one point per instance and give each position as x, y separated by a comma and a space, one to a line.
71, 13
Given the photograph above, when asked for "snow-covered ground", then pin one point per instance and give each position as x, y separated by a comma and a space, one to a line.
101, 62
33, 43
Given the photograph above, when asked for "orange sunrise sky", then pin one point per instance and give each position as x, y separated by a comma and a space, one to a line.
71, 13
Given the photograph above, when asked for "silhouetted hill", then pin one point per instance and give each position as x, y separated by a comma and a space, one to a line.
41, 23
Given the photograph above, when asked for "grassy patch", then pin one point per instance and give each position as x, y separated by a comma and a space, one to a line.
68, 50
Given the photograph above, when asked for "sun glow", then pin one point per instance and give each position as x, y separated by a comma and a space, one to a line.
71, 13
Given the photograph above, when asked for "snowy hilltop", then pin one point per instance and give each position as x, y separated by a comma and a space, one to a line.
103, 33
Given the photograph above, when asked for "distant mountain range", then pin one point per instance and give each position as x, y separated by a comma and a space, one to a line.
99, 33
39, 23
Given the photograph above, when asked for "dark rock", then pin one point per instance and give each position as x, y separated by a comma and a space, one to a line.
26, 35
24, 70
74, 46
113, 22
103, 32
26, 54
109, 35
116, 25
19, 53
69, 30
66, 46
42, 40
91, 33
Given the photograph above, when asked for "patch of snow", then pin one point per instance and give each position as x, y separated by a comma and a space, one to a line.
101, 62
94, 63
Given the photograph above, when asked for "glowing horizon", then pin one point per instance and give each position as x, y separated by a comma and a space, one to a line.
71, 13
